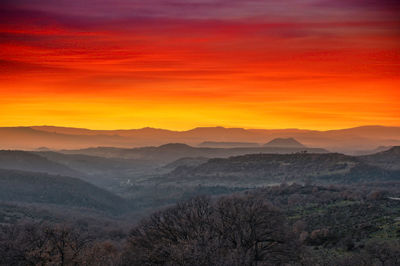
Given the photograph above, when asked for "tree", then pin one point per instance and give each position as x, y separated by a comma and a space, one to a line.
230, 231
35, 244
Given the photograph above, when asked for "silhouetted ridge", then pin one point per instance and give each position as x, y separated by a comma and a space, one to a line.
284, 143
175, 146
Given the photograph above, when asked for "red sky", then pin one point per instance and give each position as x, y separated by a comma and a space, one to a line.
179, 64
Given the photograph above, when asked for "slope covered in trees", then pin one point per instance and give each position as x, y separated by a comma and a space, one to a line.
29, 161
173, 151
389, 159
263, 169
29, 187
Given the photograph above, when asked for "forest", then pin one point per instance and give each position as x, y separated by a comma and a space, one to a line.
301, 208
280, 225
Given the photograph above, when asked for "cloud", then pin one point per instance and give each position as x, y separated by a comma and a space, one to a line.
97, 10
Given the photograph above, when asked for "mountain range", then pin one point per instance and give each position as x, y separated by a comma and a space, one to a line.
349, 140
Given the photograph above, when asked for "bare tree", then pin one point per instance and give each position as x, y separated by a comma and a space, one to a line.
231, 231
35, 244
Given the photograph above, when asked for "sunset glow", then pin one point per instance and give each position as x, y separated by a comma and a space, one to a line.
179, 64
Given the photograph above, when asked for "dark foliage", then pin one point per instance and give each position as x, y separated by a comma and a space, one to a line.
282, 225
229, 231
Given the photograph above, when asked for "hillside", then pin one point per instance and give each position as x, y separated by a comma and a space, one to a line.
170, 152
187, 161
389, 159
95, 165
29, 161
104, 172
264, 169
371, 151
28, 187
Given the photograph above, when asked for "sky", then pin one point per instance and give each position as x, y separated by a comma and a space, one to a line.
180, 64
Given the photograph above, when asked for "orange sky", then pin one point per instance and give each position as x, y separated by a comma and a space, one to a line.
176, 64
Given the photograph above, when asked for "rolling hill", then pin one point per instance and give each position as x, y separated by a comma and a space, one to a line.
96, 165
266, 169
30, 187
187, 161
29, 161
170, 152
389, 159
103, 172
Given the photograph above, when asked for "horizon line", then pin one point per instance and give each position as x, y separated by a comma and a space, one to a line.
197, 127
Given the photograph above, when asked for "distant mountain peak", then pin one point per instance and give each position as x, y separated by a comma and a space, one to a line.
147, 129
284, 143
